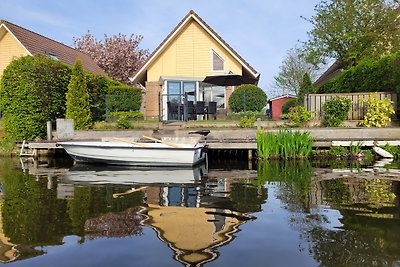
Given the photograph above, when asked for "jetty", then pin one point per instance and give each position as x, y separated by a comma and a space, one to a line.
232, 138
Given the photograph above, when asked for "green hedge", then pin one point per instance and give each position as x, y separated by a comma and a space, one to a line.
32, 91
368, 76
247, 97
123, 98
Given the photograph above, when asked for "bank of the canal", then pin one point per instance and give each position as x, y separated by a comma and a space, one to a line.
222, 138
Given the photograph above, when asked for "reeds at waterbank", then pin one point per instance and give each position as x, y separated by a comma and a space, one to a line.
284, 144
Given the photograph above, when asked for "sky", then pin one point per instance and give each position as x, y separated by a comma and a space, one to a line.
261, 31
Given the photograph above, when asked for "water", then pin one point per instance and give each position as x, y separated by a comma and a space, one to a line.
230, 214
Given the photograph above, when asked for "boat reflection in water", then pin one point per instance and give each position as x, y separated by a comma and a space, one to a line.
185, 216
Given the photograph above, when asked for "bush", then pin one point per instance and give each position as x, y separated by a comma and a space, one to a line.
378, 112
97, 86
247, 122
123, 123
247, 97
123, 98
335, 111
298, 116
32, 91
287, 105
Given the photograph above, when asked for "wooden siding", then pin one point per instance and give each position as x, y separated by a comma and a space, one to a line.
9, 49
190, 55
315, 102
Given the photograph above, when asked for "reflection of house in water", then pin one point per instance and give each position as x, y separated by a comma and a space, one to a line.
10, 252
193, 233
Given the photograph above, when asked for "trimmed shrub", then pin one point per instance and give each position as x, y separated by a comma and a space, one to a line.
32, 91
123, 98
78, 105
335, 111
247, 97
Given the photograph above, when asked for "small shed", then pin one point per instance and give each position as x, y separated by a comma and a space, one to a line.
275, 105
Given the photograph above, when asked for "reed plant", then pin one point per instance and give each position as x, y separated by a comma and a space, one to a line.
284, 144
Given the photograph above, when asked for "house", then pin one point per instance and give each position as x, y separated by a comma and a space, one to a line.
173, 74
276, 103
335, 69
16, 41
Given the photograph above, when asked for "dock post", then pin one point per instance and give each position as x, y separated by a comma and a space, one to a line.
49, 131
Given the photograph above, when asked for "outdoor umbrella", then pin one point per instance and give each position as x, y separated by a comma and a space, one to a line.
229, 80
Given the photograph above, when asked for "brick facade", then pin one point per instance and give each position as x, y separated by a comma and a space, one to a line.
153, 90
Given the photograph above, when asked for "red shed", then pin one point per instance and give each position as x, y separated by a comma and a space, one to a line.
276, 103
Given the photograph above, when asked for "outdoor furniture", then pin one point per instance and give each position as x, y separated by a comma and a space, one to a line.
173, 111
212, 109
200, 108
191, 110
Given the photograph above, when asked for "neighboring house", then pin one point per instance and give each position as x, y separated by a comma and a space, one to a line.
335, 69
276, 103
16, 41
174, 72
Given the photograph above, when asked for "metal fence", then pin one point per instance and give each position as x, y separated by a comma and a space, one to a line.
315, 102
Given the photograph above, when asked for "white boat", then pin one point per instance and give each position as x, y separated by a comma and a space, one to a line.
123, 152
93, 174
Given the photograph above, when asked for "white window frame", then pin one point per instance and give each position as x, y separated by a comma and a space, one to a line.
212, 61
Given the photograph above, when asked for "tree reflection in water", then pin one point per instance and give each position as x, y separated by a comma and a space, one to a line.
366, 231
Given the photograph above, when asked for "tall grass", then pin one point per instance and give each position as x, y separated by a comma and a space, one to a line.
284, 144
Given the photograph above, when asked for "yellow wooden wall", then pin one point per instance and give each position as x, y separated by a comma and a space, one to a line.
9, 49
189, 55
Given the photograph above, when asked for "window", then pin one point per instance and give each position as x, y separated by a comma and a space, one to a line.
52, 56
217, 62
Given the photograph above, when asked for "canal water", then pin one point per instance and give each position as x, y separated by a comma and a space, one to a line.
229, 213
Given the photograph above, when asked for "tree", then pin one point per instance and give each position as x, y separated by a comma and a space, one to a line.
352, 30
78, 105
306, 87
119, 56
292, 70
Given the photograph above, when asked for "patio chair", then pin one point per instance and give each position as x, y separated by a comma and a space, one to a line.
200, 108
212, 109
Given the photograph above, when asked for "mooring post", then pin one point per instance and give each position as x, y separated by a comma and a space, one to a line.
49, 131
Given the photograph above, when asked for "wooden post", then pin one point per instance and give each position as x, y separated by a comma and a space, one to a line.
49, 131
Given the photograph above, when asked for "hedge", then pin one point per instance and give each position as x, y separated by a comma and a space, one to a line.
247, 97
368, 76
32, 91
123, 98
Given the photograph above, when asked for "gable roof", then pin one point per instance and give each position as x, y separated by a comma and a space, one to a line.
35, 44
282, 96
332, 71
192, 15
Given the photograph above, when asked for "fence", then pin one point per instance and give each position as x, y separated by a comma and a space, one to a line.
315, 102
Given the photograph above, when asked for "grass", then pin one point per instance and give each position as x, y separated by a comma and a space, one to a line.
284, 144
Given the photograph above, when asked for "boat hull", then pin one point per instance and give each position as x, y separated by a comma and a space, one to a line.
117, 153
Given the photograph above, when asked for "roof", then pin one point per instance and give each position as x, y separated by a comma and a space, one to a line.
331, 72
282, 96
36, 44
207, 28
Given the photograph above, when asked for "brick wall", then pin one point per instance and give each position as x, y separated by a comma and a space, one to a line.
153, 90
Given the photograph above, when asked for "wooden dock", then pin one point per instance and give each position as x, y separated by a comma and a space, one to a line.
238, 139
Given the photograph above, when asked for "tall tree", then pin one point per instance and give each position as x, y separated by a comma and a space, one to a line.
119, 56
78, 105
306, 87
292, 70
351, 30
